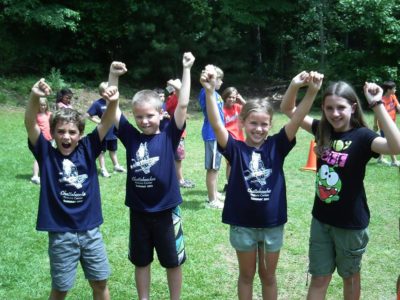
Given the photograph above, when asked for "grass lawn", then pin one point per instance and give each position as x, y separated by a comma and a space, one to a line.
211, 268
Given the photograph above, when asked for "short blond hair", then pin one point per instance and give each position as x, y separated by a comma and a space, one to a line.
147, 96
102, 87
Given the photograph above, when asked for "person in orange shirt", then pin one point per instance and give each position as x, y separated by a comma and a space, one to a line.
233, 103
392, 106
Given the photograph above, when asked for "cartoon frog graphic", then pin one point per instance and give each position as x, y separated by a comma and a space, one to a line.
328, 184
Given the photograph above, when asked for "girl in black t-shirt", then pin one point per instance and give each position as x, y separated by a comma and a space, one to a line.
339, 229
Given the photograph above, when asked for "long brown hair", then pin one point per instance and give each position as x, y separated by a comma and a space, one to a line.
324, 131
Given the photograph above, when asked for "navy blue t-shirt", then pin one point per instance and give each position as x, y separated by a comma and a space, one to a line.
256, 193
98, 108
340, 198
151, 184
69, 187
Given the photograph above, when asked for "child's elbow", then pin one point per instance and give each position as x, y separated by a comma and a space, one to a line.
287, 112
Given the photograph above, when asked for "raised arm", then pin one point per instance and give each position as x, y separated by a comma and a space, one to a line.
314, 81
208, 80
95, 119
111, 95
288, 104
176, 84
240, 100
390, 144
116, 70
39, 89
184, 93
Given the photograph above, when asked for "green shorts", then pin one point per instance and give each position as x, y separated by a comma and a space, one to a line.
332, 247
247, 239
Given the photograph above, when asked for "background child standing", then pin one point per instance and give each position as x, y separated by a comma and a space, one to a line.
255, 204
233, 103
94, 113
43, 121
392, 106
212, 160
64, 98
170, 105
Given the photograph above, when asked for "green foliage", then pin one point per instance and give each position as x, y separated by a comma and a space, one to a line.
34, 12
55, 79
250, 40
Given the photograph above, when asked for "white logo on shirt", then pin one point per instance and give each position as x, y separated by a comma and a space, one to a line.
143, 161
257, 173
70, 174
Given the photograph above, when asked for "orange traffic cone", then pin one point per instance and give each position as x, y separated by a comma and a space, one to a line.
312, 159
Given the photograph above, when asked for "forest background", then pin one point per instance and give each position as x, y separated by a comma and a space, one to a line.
254, 41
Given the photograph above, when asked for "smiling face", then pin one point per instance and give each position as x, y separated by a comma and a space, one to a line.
66, 99
147, 117
231, 99
338, 112
66, 135
256, 126
43, 105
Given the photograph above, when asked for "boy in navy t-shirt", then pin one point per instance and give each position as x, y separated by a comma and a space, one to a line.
69, 204
152, 188
94, 113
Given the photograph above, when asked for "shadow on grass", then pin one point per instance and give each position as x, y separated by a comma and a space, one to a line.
23, 176
190, 197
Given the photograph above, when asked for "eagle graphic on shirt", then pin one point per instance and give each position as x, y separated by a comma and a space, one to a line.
70, 176
143, 161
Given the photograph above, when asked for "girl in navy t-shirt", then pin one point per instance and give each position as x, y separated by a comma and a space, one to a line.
255, 205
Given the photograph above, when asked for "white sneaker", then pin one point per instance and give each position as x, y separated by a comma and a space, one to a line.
395, 163
215, 204
119, 169
220, 196
105, 173
35, 179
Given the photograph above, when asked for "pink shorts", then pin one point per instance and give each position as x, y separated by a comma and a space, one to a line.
180, 151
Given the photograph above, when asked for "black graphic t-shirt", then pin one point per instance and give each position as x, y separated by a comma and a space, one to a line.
340, 198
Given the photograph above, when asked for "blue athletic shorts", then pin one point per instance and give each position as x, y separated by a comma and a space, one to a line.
212, 159
161, 231
248, 239
67, 249
332, 247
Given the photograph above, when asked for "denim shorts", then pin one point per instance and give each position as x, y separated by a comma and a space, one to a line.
161, 231
67, 249
332, 247
248, 239
212, 159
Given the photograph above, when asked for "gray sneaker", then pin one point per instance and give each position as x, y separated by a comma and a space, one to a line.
105, 173
119, 169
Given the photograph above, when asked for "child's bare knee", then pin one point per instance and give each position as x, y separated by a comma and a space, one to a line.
98, 285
